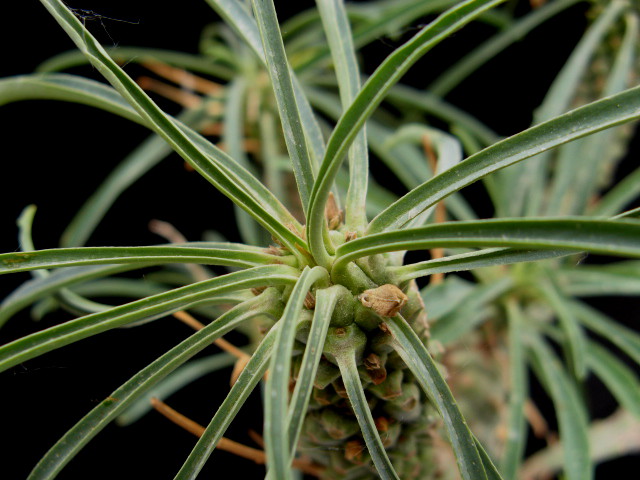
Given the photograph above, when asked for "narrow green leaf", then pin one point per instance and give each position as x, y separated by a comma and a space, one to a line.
441, 298
126, 55
528, 189
37, 288
240, 20
415, 355
276, 432
569, 409
209, 161
351, 379
68, 88
135, 165
518, 392
252, 373
466, 316
487, 257
279, 71
620, 195
183, 376
575, 340
608, 237
91, 424
618, 378
581, 164
371, 95
488, 465
156, 306
338, 35
580, 122
326, 300
592, 280
624, 338
183, 253
468, 64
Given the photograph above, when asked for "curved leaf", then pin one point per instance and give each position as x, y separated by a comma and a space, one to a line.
371, 95
415, 355
487, 257
351, 379
125, 55
569, 409
209, 161
91, 424
338, 34
184, 253
252, 373
276, 432
151, 307
279, 72
607, 237
184, 375
596, 116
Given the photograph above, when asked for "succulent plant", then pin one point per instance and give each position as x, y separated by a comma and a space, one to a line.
367, 370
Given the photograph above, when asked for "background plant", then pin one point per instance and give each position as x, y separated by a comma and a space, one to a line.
530, 299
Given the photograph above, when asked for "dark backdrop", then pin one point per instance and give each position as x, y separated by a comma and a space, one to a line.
55, 155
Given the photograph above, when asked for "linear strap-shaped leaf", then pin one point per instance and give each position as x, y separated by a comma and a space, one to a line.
136, 164
325, 303
575, 340
623, 383
276, 432
69, 88
464, 67
240, 20
209, 161
152, 307
252, 373
525, 184
371, 95
622, 337
572, 421
339, 37
487, 257
181, 377
594, 280
89, 92
620, 195
116, 403
415, 355
516, 436
279, 71
608, 237
596, 116
126, 55
471, 312
65, 257
37, 288
353, 385
580, 165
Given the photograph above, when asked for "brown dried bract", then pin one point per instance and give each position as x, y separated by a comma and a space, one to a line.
386, 300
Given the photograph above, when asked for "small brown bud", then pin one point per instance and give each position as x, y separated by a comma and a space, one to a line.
332, 213
348, 236
310, 301
353, 450
386, 300
258, 290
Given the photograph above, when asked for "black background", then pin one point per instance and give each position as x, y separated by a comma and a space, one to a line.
55, 155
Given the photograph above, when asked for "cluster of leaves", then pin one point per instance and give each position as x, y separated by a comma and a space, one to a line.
547, 210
